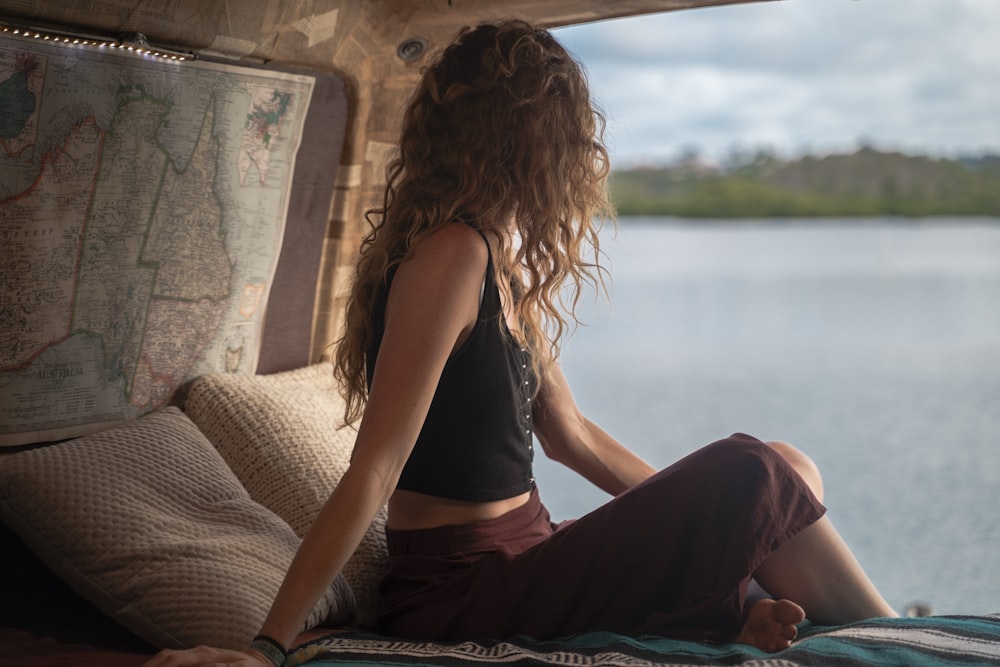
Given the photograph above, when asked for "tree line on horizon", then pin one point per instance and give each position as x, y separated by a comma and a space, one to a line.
867, 182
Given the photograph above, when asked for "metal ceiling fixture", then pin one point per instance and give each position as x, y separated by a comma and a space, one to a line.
412, 48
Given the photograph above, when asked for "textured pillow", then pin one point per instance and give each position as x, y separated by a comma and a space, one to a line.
147, 522
279, 434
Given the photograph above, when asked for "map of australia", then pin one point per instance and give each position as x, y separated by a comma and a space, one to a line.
142, 206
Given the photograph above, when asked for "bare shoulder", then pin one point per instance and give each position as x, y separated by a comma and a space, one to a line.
443, 272
456, 243
434, 298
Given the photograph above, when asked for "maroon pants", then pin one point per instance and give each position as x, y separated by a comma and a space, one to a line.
672, 556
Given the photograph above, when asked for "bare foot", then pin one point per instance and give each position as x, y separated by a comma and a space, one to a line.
770, 624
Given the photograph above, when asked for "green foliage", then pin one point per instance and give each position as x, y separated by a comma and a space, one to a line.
865, 183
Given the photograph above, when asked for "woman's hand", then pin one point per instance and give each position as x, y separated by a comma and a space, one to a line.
206, 656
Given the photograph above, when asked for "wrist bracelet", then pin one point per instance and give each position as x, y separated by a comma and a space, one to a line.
270, 648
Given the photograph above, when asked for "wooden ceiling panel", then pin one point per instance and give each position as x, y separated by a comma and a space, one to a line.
311, 32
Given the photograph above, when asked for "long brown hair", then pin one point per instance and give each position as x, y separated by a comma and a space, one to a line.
501, 125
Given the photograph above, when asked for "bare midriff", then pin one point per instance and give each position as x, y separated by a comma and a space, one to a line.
409, 510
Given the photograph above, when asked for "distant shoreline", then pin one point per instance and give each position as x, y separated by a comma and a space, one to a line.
863, 184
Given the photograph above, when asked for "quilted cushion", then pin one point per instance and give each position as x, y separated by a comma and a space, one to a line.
147, 522
281, 436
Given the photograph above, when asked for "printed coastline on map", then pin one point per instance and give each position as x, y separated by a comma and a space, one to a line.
142, 208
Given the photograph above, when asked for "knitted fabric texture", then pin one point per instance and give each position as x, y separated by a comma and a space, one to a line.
148, 522
280, 435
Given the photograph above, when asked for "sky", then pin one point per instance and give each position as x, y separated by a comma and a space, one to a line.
797, 77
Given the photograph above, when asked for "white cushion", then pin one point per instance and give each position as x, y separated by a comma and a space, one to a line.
147, 521
281, 436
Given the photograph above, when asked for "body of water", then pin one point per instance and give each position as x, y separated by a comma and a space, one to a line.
873, 345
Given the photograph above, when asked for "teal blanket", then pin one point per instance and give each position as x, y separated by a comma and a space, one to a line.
909, 642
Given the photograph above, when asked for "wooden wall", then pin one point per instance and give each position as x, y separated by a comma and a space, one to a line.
357, 39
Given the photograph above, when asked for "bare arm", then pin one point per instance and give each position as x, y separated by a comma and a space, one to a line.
433, 302
432, 305
568, 437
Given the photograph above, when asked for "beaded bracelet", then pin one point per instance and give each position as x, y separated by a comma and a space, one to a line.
271, 649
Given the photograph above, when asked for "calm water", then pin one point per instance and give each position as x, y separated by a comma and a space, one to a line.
872, 345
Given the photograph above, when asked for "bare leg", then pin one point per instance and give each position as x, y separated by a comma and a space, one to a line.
816, 570
809, 472
802, 464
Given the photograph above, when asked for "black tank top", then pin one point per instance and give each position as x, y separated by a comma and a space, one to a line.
476, 442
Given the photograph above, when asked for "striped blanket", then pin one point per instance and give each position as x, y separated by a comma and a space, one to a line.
909, 642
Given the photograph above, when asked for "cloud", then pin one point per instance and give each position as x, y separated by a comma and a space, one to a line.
798, 75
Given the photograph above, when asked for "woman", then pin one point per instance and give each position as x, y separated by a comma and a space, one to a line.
488, 228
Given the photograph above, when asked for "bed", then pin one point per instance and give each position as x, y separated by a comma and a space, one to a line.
914, 642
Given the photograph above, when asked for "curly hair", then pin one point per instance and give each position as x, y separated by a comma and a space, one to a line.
500, 127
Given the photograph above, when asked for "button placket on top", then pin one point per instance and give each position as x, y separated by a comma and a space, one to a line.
526, 395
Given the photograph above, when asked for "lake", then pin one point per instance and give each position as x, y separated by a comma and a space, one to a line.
872, 345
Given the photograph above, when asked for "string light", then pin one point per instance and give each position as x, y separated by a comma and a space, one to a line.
133, 43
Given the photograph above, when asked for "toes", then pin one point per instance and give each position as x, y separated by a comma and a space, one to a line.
770, 625
789, 632
787, 612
